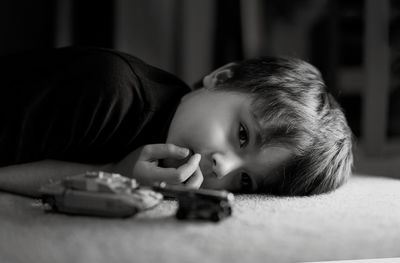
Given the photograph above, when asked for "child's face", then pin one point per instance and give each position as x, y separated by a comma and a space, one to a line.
221, 127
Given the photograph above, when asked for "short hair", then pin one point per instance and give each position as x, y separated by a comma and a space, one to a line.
296, 110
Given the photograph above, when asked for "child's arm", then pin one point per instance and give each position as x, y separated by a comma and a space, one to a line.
26, 179
141, 164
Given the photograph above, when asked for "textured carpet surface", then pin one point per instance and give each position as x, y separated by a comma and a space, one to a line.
360, 220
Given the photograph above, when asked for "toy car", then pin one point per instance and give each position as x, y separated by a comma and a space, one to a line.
201, 204
99, 193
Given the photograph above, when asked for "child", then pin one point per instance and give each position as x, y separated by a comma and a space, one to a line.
263, 125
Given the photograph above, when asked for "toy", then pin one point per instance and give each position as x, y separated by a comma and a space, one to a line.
201, 204
99, 193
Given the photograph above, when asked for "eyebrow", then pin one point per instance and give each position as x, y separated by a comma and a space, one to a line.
256, 187
271, 137
257, 130
257, 179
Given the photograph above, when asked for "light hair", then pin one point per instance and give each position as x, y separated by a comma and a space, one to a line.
296, 110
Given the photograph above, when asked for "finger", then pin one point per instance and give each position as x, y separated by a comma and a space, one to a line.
179, 175
162, 151
173, 175
159, 174
195, 180
188, 168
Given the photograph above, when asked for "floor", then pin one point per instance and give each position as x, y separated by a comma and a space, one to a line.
359, 220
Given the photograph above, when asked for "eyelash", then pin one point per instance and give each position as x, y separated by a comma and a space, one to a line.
242, 128
245, 182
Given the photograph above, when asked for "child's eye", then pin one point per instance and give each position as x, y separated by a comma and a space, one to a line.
246, 184
243, 136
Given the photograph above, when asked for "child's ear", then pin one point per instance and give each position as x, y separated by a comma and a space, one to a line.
219, 75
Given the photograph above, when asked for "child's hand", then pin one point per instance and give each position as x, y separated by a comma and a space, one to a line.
142, 164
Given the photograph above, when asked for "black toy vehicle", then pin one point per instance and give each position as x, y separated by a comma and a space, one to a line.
202, 204
99, 193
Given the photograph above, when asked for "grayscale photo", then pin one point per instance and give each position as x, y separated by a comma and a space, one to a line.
199, 131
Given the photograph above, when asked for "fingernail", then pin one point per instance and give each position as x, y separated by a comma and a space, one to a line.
197, 156
185, 151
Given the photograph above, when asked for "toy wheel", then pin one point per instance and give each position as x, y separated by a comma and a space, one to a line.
215, 217
180, 215
229, 211
51, 202
134, 211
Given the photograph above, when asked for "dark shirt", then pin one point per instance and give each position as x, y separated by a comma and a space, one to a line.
85, 105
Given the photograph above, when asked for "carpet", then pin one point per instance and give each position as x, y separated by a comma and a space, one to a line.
360, 220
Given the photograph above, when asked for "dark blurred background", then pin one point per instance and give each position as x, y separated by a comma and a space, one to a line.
191, 37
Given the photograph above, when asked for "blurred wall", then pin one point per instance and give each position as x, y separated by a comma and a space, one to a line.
175, 35
186, 37
25, 25
147, 29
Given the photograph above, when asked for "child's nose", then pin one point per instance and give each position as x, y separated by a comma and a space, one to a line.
224, 164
